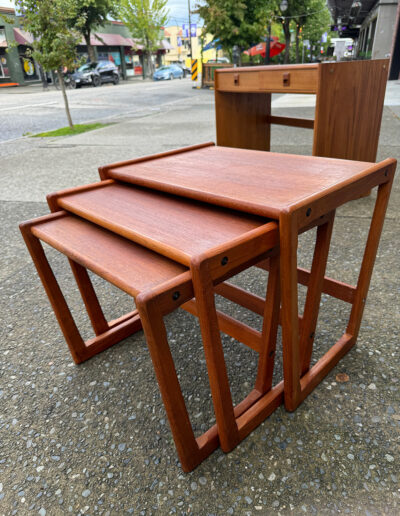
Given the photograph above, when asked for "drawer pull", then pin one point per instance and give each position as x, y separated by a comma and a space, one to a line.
236, 79
286, 79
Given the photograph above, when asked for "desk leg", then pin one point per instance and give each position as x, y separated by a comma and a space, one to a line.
242, 120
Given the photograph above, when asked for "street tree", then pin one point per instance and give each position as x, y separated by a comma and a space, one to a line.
317, 23
91, 14
55, 42
145, 20
236, 23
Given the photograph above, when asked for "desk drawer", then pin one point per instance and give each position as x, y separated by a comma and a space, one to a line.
296, 81
293, 81
238, 81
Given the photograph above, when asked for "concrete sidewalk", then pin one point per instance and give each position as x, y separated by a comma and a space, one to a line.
93, 439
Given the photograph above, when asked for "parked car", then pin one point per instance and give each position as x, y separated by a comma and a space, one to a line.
95, 74
219, 60
186, 71
167, 73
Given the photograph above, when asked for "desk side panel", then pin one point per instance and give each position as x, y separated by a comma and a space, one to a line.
349, 109
242, 120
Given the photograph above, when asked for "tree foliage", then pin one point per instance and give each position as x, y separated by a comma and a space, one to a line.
307, 20
233, 22
145, 19
91, 14
55, 41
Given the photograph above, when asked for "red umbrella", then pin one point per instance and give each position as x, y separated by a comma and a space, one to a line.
275, 48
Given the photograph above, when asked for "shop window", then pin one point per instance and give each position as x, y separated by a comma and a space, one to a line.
29, 68
3, 66
3, 55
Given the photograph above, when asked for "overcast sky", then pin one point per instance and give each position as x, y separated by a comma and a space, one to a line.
178, 10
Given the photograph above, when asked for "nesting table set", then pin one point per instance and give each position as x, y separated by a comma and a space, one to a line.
171, 229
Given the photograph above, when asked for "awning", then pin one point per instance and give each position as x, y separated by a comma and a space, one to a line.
213, 44
165, 45
110, 40
22, 37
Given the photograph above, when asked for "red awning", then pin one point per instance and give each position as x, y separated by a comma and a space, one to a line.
22, 37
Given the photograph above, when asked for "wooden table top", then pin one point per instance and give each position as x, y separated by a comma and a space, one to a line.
173, 226
258, 182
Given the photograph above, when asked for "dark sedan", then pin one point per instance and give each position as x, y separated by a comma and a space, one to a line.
95, 74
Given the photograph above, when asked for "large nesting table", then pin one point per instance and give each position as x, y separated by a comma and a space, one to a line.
170, 229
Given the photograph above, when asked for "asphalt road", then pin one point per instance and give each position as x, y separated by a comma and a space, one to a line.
32, 110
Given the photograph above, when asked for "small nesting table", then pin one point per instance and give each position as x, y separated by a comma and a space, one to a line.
170, 229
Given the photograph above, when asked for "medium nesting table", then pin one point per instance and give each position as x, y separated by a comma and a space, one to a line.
170, 229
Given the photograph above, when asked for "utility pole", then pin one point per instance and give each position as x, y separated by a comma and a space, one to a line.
190, 33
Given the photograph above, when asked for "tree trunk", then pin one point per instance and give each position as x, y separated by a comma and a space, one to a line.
62, 84
90, 49
268, 45
297, 44
286, 30
149, 64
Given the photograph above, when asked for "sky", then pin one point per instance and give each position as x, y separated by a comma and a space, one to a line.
178, 10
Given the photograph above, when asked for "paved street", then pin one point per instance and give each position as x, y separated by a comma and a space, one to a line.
94, 438
32, 110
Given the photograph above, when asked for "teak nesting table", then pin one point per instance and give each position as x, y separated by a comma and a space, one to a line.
171, 238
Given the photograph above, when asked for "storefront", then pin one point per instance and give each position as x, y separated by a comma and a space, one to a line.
114, 44
4, 71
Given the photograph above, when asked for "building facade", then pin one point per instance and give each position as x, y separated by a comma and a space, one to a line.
374, 25
112, 42
180, 47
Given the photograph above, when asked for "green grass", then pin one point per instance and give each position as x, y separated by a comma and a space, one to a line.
66, 131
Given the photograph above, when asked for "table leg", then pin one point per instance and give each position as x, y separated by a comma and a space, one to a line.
313, 299
219, 383
266, 359
289, 312
191, 451
79, 349
368, 261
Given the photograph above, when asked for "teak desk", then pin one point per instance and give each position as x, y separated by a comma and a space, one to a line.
348, 109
